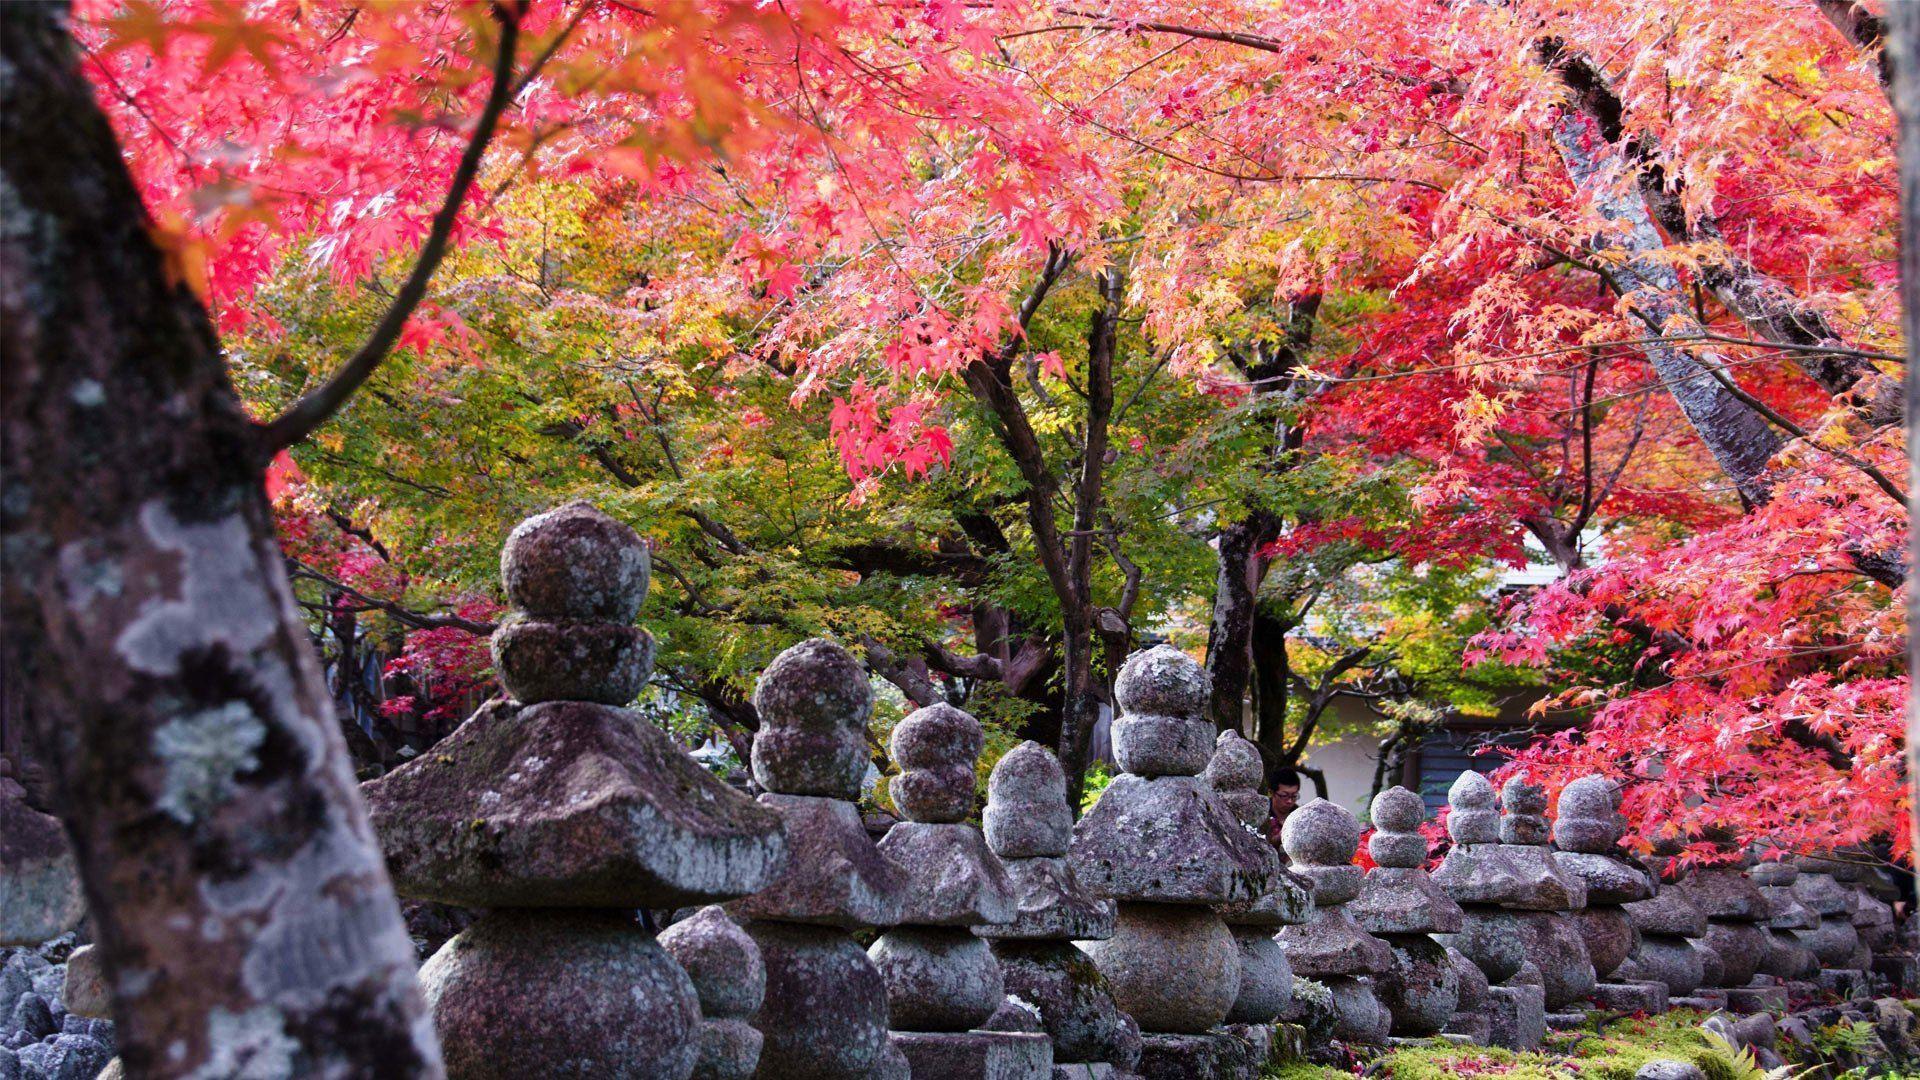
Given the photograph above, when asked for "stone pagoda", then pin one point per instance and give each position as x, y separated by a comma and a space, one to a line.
1030, 828
725, 967
1736, 913
1586, 836
1321, 838
1549, 895
1787, 959
1669, 923
1824, 886
1160, 841
942, 980
559, 812
1476, 874
1401, 905
825, 1016
1266, 979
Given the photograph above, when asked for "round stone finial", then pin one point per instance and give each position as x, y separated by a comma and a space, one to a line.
1321, 833
1027, 815
721, 959
813, 701
575, 563
936, 749
1162, 681
1471, 818
1525, 821
1396, 840
1587, 820
1234, 774
1518, 796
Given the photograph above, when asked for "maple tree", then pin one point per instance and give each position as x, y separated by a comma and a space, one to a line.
1404, 285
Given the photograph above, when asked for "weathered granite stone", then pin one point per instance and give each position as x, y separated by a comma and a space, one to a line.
935, 748
1029, 826
1401, 905
575, 562
1725, 892
568, 804
1741, 946
486, 985
1517, 1015
1670, 913
1470, 1017
85, 992
1266, 977
39, 880
1712, 971
1213, 1055
938, 978
1321, 838
1486, 937
724, 965
1168, 840
975, 1055
1588, 819
569, 660
1172, 967
1074, 1001
1234, 774
1587, 831
1027, 815
1609, 934
1163, 695
951, 877
1646, 998
825, 1013
813, 701
834, 876
1554, 945
1669, 1069
1609, 880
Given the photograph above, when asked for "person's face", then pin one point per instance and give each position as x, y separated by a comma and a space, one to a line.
1286, 797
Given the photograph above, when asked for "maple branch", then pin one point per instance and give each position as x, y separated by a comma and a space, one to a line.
407, 616
1774, 416
323, 401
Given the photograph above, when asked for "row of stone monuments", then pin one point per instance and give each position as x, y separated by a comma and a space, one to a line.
1160, 936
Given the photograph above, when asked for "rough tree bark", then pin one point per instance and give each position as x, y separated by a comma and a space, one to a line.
239, 896
1904, 27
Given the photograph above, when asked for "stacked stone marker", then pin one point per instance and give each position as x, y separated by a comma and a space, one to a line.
1823, 886
1266, 979
825, 1015
1587, 834
1401, 905
1736, 912
1029, 826
1668, 923
725, 967
1161, 843
1894, 961
1787, 959
1321, 838
1549, 895
1476, 875
561, 813
942, 980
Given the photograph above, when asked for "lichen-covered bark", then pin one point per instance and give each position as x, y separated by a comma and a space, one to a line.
244, 914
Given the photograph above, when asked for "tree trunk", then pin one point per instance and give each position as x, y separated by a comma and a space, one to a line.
1236, 588
1273, 676
1904, 22
242, 907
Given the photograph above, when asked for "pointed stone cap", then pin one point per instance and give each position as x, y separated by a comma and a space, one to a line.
1051, 905
1588, 821
1163, 729
1234, 774
568, 804
835, 875
1332, 943
1821, 892
1027, 815
1169, 840
1608, 880
721, 959
1726, 894
952, 879
39, 880
936, 748
1544, 884
1289, 901
1398, 896
1471, 817
813, 701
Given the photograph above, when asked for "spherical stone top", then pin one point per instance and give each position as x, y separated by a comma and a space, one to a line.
1235, 765
1519, 797
936, 735
936, 747
1398, 810
813, 701
1587, 820
721, 959
1027, 814
1471, 818
1321, 833
575, 563
1589, 797
1162, 681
